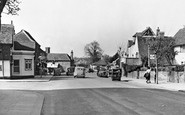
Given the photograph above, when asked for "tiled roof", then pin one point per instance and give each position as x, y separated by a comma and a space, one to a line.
23, 38
58, 57
145, 32
6, 34
180, 37
130, 43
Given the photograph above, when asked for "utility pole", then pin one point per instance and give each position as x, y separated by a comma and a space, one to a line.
148, 54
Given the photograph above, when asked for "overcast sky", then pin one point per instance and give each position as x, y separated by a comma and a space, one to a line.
66, 25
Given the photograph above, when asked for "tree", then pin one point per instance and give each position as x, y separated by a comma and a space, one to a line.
11, 6
106, 58
163, 48
94, 51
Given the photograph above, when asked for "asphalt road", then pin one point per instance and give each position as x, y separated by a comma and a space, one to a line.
129, 99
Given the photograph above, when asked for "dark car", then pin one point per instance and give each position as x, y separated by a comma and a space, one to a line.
102, 72
70, 71
115, 74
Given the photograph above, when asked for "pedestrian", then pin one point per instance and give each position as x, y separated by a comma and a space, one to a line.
147, 75
155, 75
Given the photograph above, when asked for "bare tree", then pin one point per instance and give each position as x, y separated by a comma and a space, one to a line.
11, 6
94, 51
163, 48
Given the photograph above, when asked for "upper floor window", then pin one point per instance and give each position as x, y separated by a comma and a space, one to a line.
28, 64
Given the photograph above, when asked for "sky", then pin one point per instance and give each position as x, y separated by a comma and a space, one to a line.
65, 25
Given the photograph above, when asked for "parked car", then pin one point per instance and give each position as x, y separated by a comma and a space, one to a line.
102, 72
115, 74
79, 72
70, 71
90, 70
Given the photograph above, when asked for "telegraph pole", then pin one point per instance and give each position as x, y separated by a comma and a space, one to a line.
148, 54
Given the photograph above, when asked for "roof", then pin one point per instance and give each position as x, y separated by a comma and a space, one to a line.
147, 32
180, 37
6, 34
58, 57
23, 40
100, 63
130, 43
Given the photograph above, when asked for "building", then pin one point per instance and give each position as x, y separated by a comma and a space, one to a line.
6, 44
56, 59
179, 47
26, 55
139, 49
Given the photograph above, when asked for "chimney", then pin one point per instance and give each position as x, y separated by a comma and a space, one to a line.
47, 50
161, 34
11, 22
157, 31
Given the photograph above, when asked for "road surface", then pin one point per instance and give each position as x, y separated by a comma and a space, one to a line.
101, 96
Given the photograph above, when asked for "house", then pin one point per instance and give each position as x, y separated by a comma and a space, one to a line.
139, 49
56, 59
26, 55
6, 43
179, 47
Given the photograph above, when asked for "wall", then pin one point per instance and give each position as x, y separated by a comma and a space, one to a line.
21, 57
5, 69
65, 65
163, 76
133, 50
180, 57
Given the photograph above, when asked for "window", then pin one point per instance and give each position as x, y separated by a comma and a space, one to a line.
16, 66
28, 64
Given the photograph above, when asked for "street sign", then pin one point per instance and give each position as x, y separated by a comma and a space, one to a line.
152, 56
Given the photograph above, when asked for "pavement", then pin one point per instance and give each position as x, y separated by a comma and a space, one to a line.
37, 78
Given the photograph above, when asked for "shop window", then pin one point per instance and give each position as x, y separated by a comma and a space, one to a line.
28, 64
16, 66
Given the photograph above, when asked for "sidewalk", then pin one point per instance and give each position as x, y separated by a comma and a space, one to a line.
161, 84
37, 78
20, 103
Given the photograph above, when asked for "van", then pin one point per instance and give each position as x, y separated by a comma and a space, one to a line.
79, 72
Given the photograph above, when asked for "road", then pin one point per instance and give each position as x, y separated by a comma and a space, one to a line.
101, 96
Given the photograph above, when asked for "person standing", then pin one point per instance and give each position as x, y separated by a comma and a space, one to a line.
147, 75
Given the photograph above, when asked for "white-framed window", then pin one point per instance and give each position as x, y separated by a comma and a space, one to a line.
16, 67
28, 64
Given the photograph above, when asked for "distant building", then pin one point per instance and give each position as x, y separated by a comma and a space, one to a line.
54, 59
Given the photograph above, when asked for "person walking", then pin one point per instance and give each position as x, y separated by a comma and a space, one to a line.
147, 75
